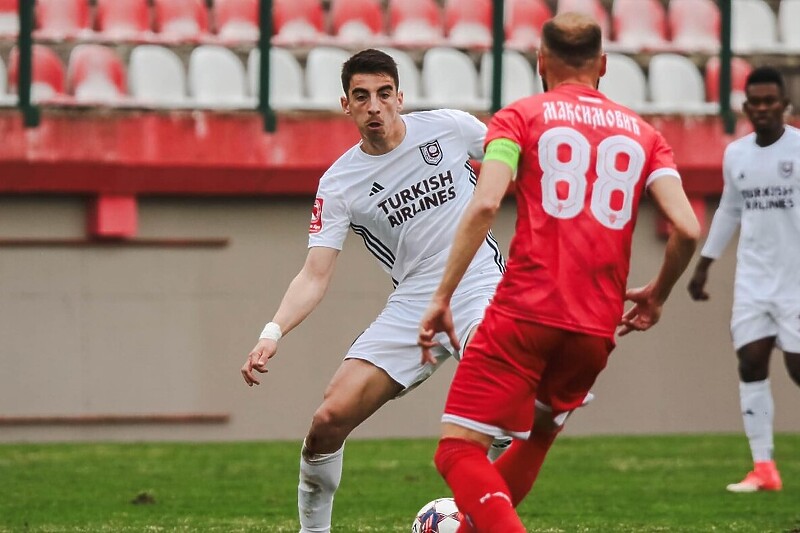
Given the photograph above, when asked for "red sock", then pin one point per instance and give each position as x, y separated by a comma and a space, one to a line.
479, 491
520, 463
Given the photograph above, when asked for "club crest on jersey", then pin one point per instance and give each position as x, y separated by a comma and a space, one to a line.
316, 217
786, 168
431, 152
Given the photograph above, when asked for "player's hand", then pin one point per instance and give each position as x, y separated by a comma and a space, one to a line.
436, 319
257, 360
643, 315
697, 286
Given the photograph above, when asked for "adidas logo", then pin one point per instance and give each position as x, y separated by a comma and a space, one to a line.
376, 188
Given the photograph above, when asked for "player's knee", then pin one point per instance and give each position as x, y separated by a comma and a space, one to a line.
752, 370
328, 430
544, 423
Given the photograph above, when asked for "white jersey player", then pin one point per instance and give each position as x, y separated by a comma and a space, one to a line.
761, 196
401, 189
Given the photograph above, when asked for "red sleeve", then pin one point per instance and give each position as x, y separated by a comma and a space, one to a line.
661, 156
507, 123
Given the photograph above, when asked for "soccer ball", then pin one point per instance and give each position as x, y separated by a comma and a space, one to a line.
439, 516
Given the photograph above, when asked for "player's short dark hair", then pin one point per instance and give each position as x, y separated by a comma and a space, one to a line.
369, 61
573, 46
766, 74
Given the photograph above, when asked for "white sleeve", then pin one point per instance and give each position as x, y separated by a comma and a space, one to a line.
330, 220
473, 131
726, 219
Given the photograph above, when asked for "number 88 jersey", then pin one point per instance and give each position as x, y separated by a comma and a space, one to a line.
585, 162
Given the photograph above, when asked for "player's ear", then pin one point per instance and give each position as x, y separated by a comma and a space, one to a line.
399, 100
345, 105
603, 65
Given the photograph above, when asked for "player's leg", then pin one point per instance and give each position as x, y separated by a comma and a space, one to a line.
492, 394
792, 361
564, 387
355, 392
755, 395
469, 311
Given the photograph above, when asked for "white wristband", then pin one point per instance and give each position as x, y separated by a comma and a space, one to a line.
271, 331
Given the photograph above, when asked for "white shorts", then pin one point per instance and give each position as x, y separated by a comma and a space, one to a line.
390, 342
754, 320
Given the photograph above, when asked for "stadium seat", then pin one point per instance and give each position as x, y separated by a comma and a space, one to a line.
95, 73
123, 20
408, 73
415, 22
753, 27
180, 20
468, 23
236, 20
518, 80
47, 76
694, 25
324, 77
593, 8
62, 19
9, 18
639, 25
449, 79
740, 69
789, 24
524, 21
217, 78
357, 21
286, 78
625, 82
297, 22
156, 77
676, 86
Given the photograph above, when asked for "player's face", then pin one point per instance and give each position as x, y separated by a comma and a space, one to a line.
765, 106
375, 104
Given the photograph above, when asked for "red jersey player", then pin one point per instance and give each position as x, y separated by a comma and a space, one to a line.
581, 164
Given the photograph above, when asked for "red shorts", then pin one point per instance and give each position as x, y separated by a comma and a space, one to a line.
511, 364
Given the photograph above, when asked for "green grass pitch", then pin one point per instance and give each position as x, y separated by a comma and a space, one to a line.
592, 484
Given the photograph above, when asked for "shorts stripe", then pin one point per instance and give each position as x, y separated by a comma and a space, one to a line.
486, 429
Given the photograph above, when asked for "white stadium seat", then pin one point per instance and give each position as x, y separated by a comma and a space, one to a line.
625, 82
285, 78
449, 79
217, 78
518, 80
156, 77
676, 86
324, 75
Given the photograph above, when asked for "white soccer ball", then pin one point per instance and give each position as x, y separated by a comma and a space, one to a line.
439, 516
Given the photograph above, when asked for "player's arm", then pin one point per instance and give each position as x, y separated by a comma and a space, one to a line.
498, 169
723, 226
302, 296
669, 197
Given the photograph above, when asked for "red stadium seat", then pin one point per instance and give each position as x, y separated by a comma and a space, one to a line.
640, 24
694, 25
181, 20
468, 23
47, 76
96, 74
740, 69
297, 21
236, 20
9, 18
123, 20
60, 19
593, 8
524, 21
415, 22
356, 20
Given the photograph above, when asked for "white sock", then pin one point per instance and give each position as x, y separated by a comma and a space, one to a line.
757, 412
320, 475
497, 448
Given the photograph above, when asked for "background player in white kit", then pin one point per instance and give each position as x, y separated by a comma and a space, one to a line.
761, 173
402, 189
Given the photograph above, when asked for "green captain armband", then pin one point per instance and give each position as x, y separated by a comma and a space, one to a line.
504, 150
